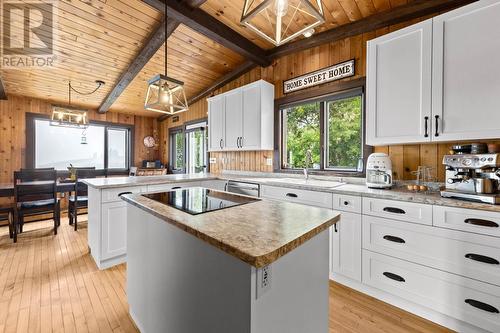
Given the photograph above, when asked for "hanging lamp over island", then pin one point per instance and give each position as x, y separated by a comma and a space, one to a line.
280, 21
165, 94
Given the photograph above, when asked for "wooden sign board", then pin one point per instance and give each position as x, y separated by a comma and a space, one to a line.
332, 73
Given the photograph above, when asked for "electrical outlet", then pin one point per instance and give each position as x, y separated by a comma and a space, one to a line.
264, 280
213, 160
269, 161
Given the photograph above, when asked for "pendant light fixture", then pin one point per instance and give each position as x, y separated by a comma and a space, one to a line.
68, 116
280, 21
165, 94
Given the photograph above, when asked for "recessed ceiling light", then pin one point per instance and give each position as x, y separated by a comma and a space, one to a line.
309, 33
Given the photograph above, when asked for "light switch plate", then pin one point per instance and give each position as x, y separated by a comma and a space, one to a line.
213, 160
269, 161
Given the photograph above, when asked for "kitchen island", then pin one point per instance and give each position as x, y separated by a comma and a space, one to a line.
255, 267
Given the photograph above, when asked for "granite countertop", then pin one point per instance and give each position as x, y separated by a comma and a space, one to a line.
113, 182
257, 233
339, 185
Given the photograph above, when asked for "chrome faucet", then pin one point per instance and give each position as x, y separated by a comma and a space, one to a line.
308, 162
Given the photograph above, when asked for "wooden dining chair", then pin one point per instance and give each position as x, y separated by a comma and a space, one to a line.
35, 193
6, 214
79, 200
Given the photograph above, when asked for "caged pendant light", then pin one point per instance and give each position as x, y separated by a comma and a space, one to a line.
280, 21
165, 94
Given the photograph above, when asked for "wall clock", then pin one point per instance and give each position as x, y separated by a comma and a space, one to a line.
149, 141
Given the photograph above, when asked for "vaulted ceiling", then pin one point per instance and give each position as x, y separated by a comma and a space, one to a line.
101, 40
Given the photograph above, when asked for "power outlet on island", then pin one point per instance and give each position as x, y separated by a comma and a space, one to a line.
264, 280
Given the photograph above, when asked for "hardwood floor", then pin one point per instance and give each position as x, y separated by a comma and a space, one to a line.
50, 284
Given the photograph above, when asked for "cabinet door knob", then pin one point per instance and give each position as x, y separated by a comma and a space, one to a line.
481, 306
394, 277
481, 258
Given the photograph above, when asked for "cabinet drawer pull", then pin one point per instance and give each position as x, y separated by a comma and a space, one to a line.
394, 210
480, 258
394, 277
481, 222
481, 306
394, 239
426, 135
291, 195
176, 188
123, 193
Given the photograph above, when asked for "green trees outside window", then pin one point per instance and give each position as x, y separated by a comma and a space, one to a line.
342, 132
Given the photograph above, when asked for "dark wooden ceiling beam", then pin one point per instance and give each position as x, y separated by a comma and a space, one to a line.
154, 43
204, 23
397, 15
3, 93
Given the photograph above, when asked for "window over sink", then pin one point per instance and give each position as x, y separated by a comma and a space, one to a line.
324, 133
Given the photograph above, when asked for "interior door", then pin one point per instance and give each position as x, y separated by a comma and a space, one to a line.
216, 123
399, 86
466, 72
251, 135
233, 107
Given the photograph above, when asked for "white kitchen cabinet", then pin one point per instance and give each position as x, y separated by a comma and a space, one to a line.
399, 89
346, 246
114, 230
466, 72
233, 108
242, 119
216, 123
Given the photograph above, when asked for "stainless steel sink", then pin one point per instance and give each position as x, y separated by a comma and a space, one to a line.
298, 181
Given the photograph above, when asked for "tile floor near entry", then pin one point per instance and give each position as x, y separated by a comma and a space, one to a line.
50, 284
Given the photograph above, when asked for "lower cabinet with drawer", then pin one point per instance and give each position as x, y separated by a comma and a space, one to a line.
305, 197
468, 300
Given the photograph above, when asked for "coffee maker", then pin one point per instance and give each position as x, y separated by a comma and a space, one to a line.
473, 177
379, 171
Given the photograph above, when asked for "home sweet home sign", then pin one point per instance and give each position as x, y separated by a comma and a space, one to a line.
332, 73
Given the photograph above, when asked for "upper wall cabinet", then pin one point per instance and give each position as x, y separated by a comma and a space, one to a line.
466, 72
399, 86
437, 80
242, 119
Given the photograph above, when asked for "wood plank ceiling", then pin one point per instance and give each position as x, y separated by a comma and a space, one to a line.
97, 40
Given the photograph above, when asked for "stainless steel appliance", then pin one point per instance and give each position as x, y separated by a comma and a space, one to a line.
379, 171
199, 200
245, 188
472, 177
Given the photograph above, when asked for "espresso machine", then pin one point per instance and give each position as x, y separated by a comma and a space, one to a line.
473, 177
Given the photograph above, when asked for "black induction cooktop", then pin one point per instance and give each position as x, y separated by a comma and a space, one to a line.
199, 200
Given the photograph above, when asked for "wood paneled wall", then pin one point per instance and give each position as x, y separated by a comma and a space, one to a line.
405, 158
13, 132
